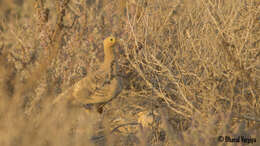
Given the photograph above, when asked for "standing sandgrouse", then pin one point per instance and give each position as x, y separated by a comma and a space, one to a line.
99, 86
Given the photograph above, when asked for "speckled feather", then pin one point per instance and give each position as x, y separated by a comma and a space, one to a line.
99, 87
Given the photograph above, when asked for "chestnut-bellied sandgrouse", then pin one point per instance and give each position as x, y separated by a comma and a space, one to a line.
99, 86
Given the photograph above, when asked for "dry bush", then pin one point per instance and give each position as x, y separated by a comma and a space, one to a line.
190, 68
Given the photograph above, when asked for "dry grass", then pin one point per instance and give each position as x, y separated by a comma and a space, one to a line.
191, 71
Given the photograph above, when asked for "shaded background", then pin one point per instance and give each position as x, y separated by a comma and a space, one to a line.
190, 68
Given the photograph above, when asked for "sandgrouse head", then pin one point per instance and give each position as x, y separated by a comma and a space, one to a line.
109, 42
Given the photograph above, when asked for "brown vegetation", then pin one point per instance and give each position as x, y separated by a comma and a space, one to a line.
191, 71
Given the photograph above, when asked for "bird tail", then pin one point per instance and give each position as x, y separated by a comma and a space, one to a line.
66, 94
